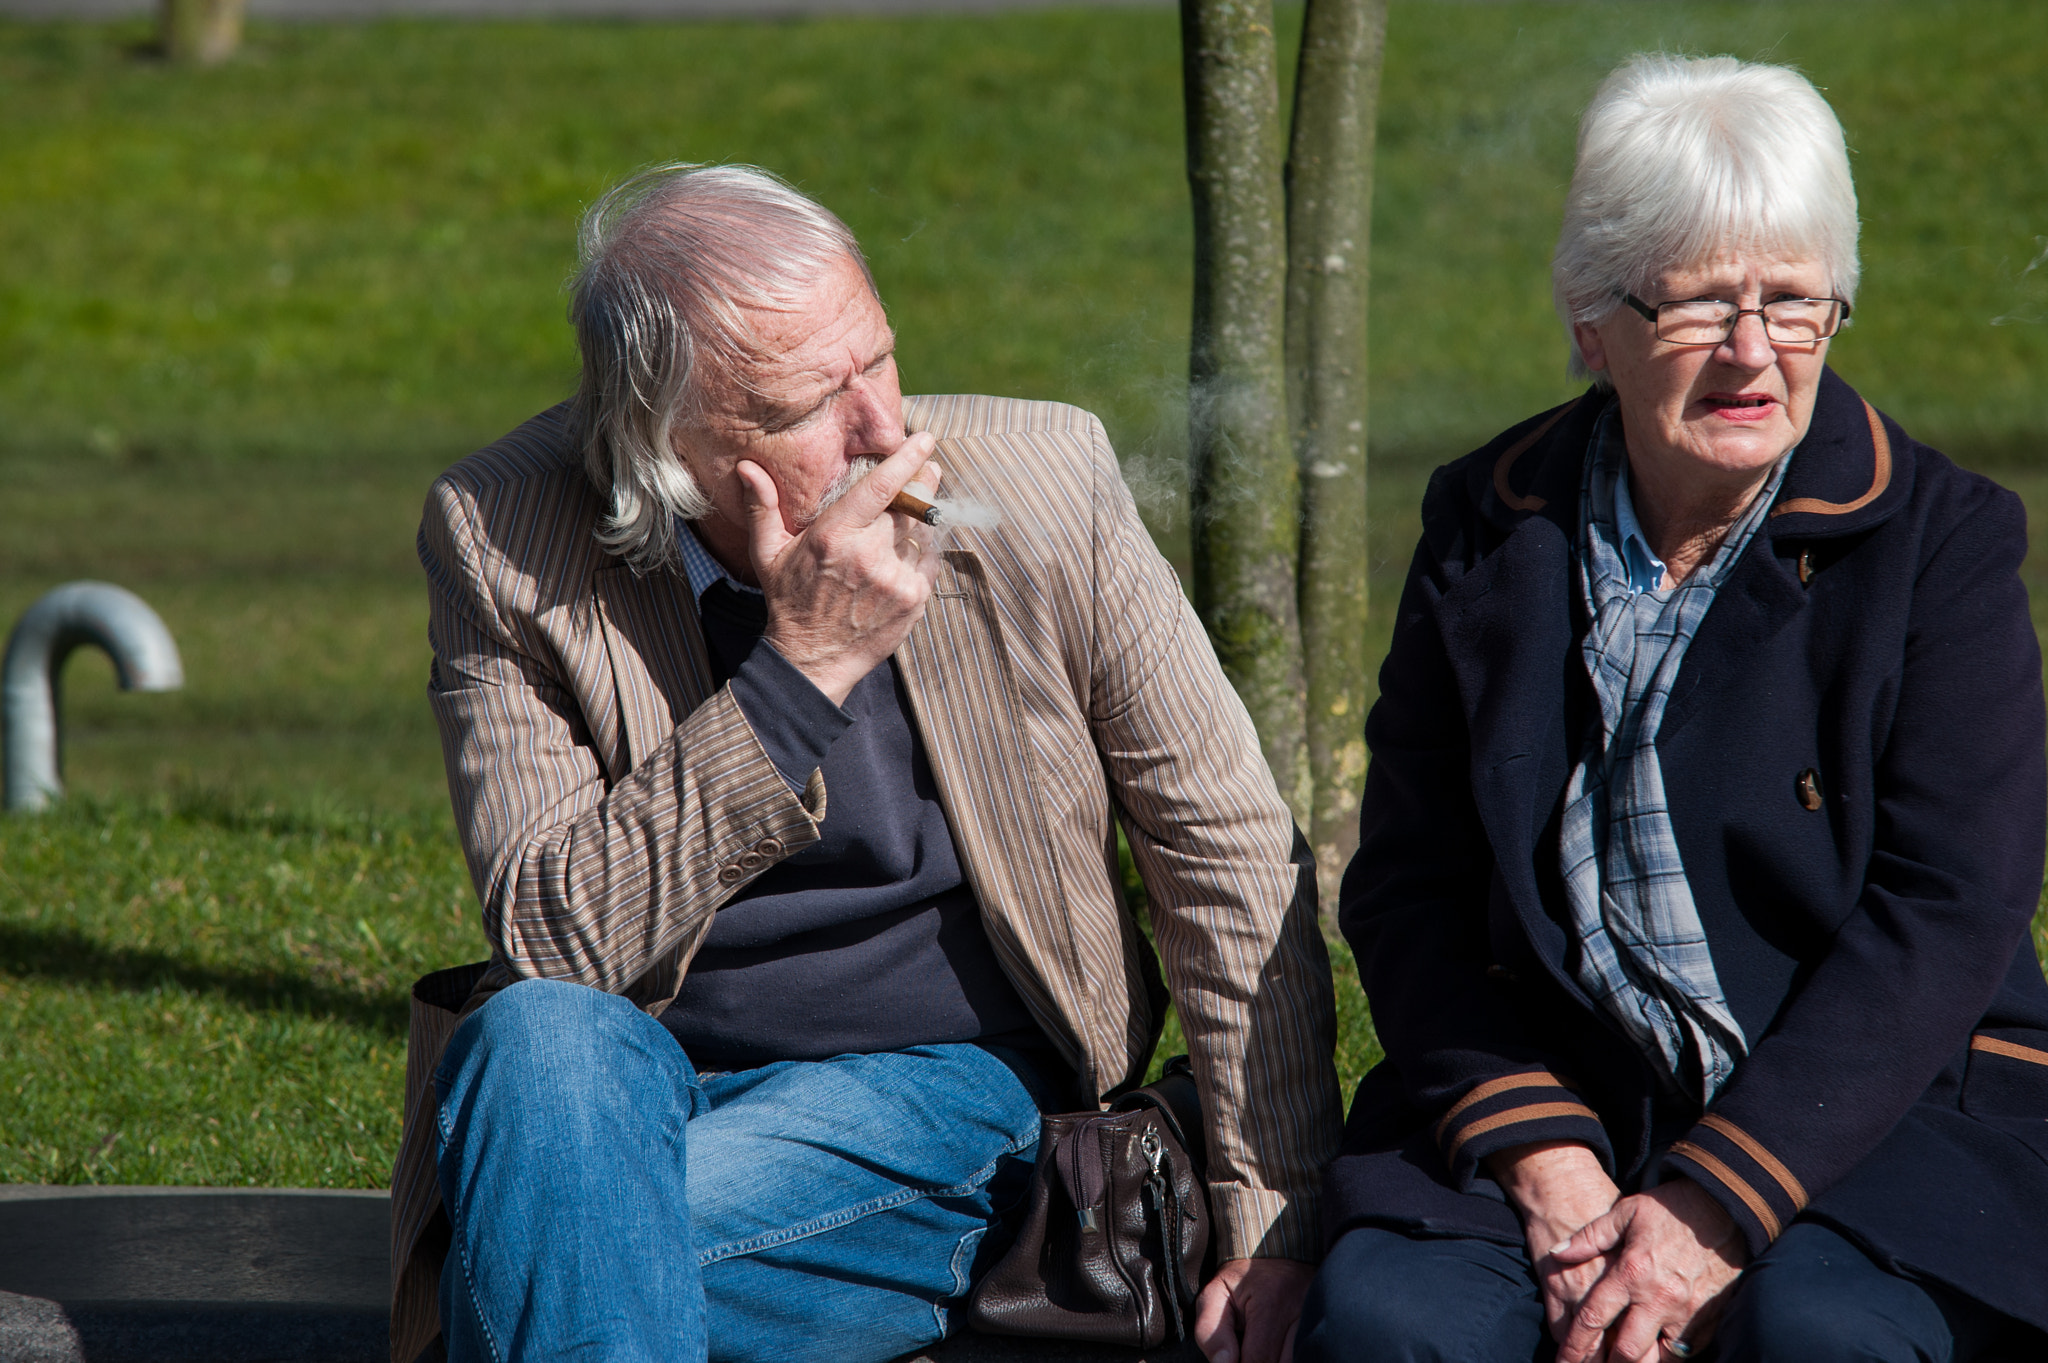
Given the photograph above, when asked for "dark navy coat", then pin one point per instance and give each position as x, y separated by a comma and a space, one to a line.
1871, 653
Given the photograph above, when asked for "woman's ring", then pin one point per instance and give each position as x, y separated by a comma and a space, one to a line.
1678, 1348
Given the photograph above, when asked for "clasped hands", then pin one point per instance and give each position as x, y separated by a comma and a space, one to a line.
1623, 1278
844, 590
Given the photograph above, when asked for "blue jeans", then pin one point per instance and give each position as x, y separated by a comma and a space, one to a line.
608, 1202
1812, 1297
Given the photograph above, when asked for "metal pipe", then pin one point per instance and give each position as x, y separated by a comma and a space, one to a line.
113, 618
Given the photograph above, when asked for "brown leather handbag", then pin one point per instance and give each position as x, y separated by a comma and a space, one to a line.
1116, 1230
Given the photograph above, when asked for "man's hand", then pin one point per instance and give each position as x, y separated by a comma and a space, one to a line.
843, 592
1558, 1187
1248, 1311
1673, 1253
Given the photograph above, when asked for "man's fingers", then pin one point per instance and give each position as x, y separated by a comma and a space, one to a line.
1267, 1338
766, 536
867, 500
925, 482
1216, 1322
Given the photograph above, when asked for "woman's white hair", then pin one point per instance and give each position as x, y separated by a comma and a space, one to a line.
671, 259
1684, 159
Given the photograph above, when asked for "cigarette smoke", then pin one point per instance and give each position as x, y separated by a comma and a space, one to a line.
965, 513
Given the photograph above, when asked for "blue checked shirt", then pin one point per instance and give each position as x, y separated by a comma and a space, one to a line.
1643, 953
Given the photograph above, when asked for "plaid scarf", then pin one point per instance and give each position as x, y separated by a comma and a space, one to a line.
1642, 951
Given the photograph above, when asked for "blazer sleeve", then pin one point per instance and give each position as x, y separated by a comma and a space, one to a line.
1231, 888
1415, 908
1952, 884
583, 877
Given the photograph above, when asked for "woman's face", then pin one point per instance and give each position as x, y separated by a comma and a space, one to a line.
1719, 412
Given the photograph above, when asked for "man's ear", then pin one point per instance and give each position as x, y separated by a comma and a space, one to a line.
1592, 349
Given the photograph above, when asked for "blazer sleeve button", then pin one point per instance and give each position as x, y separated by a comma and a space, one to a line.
1808, 787
749, 860
769, 847
729, 875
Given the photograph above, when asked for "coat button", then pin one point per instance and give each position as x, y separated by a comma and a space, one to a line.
729, 875
1808, 787
769, 847
749, 860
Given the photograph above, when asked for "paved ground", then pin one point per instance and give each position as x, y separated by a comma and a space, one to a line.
590, 9
252, 1275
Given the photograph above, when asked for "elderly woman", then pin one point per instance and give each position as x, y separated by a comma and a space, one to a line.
1704, 823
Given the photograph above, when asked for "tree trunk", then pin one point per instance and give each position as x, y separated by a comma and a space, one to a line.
200, 31
1329, 231
1245, 489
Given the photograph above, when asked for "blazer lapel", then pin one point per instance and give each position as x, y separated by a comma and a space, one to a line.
1760, 597
1847, 476
1509, 631
1507, 628
964, 700
659, 665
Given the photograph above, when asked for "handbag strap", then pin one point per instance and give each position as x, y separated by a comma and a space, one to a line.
1174, 1096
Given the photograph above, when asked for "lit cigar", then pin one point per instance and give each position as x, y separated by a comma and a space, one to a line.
917, 508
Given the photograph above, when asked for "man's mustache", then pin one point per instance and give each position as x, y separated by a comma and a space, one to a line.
856, 469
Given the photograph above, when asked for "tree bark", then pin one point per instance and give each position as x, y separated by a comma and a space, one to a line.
204, 32
1329, 232
1245, 484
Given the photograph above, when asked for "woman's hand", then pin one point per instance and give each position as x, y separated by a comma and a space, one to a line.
1558, 1187
1671, 1256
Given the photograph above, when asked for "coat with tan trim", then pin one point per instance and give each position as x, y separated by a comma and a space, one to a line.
609, 800
1853, 754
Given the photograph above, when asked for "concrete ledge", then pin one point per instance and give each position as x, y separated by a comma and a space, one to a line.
193, 1275
259, 1275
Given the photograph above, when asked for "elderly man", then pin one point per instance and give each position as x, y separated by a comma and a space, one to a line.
792, 830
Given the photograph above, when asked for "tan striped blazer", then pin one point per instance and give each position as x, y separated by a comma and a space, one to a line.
609, 800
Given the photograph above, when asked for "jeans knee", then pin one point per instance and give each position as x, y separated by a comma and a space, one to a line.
551, 1044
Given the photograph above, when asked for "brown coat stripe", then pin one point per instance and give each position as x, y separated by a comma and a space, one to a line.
1532, 1112
1993, 1046
1758, 1208
1493, 1087
1764, 1158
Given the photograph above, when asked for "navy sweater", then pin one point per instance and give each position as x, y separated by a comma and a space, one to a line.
869, 939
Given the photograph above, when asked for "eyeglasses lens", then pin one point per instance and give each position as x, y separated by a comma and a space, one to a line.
1789, 321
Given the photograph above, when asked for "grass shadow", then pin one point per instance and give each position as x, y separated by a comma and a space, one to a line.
63, 953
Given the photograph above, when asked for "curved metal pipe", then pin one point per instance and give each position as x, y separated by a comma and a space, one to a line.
118, 621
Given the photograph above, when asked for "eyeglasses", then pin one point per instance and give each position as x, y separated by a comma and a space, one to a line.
1710, 321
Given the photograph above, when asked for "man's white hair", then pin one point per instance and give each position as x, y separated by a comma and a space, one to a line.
1683, 159
671, 259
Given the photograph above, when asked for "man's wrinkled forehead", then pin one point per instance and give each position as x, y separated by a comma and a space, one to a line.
809, 342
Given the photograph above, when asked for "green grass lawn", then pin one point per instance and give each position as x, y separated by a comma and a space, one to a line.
246, 314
